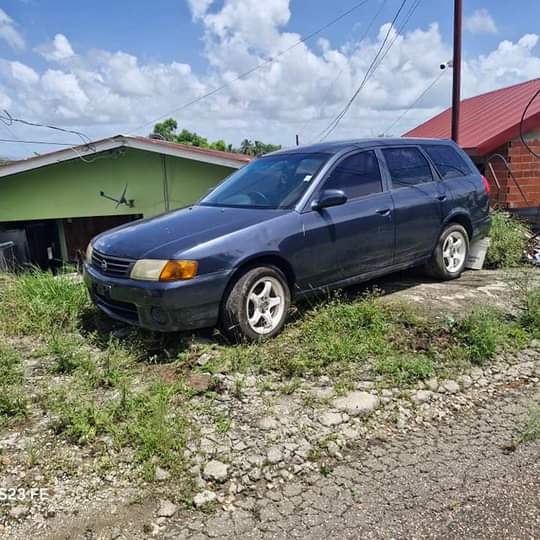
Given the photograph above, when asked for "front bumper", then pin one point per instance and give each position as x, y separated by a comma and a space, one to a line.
163, 307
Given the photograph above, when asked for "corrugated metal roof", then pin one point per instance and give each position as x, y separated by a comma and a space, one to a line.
87, 151
487, 120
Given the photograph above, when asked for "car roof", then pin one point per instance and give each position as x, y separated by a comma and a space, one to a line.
334, 147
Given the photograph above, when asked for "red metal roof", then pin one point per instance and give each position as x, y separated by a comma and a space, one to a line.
489, 120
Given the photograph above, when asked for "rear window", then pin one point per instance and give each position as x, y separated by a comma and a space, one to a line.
448, 162
407, 167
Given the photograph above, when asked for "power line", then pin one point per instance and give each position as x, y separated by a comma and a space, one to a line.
245, 74
338, 76
376, 62
335, 122
413, 104
9, 120
37, 142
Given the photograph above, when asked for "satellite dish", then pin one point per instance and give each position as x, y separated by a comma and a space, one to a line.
130, 203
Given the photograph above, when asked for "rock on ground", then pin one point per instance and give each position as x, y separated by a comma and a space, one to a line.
357, 403
203, 498
216, 470
166, 509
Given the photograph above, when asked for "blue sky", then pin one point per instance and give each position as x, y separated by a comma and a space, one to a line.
163, 30
116, 64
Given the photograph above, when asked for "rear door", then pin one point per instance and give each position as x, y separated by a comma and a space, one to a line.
362, 229
418, 198
461, 179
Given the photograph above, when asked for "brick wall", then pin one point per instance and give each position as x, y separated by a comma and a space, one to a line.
526, 169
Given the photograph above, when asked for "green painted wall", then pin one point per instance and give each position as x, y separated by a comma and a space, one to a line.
71, 189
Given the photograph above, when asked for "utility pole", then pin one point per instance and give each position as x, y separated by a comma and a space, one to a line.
456, 66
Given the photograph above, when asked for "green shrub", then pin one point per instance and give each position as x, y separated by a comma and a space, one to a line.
508, 241
38, 304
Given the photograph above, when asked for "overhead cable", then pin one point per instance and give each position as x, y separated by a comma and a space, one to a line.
247, 73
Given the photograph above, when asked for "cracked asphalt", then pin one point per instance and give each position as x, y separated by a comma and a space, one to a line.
461, 478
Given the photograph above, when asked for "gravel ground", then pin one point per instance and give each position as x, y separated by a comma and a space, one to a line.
459, 479
431, 461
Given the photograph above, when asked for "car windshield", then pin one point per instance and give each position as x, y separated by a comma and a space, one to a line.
269, 182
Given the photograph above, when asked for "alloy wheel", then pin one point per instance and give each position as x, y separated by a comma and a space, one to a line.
454, 251
265, 305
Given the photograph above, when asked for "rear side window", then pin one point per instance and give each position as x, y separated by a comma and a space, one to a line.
356, 175
448, 162
407, 167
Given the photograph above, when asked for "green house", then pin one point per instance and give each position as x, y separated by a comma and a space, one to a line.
51, 205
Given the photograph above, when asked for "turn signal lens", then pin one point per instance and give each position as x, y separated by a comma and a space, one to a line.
177, 270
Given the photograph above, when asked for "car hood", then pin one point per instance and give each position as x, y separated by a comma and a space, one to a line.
164, 236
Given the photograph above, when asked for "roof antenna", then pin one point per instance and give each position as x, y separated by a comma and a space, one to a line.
297, 140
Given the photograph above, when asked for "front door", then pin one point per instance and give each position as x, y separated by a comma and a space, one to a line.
418, 198
356, 237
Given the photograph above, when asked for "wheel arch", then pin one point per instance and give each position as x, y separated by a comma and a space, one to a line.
263, 259
461, 218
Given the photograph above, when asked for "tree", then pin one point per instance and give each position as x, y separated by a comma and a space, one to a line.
168, 129
246, 147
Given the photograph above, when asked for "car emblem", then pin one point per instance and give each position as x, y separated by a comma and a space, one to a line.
104, 266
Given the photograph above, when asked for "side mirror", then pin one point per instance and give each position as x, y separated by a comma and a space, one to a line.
329, 197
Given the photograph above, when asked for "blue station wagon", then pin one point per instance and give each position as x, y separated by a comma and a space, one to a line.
289, 224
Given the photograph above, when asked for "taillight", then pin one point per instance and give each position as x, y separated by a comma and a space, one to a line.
487, 185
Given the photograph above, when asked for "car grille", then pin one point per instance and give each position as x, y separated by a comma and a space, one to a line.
112, 266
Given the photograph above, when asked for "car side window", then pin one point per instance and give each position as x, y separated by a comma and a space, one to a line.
357, 175
407, 167
447, 161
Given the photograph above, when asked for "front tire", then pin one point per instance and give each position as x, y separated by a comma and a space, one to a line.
448, 259
257, 305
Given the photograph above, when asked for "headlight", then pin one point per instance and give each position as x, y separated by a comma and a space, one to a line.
158, 270
89, 251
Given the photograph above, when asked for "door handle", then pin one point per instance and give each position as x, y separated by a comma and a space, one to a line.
441, 197
384, 212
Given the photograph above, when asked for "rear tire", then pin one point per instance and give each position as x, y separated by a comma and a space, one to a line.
448, 259
257, 305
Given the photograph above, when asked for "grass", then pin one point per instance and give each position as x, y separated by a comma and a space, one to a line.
368, 337
13, 401
68, 352
110, 388
531, 432
38, 304
508, 241
405, 369
151, 421
485, 331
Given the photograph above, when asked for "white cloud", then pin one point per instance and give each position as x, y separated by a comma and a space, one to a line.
23, 73
480, 22
9, 33
104, 92
199, 7
57, 50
